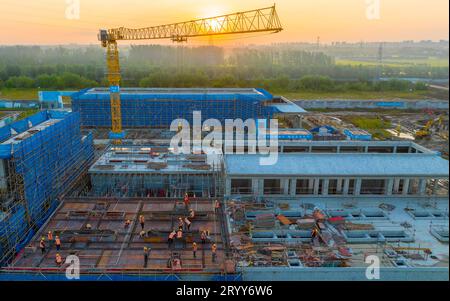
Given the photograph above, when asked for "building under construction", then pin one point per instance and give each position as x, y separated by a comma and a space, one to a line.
313, 215
41, 158
144, 107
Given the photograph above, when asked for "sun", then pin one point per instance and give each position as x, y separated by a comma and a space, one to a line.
214, 11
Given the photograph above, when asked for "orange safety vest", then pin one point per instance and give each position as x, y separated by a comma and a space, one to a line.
141, 219
214, 248
58, 241
179, 234
50, 236
217, 205
58, 259
171, 235
194, 246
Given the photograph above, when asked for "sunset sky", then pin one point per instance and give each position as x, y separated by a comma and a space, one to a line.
45, 22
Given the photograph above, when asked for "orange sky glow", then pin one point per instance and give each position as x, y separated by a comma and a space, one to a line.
45, 21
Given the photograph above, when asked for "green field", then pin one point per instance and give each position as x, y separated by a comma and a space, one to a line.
355, 95
32, 94
374, 125
398, 62
19, 94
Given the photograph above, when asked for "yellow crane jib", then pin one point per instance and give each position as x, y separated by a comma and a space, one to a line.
252, 21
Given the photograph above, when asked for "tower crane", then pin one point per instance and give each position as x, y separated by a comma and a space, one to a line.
252, 21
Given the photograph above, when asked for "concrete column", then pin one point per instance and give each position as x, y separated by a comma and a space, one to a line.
285, 186
358, 186
261, 187
435, 186
389, 186
326, 184
255, 186
394, 149
346, 186
396, 185
293, 187
366, 149
338, 149
339, 186
422, 186
228, 186
316, 186
405, 186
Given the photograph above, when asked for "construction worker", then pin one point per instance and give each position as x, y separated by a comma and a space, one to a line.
180, 222
146, 255
203, 237
50, 238
214, 252
176, 264
171, 237
186, 200
42, 245
58, 259
314, 233
142, 221
57, 243
127, 223
194, 249
191, 214
188, 223
180, 233
216, 206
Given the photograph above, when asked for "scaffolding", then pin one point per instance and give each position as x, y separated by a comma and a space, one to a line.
159, 107
41, 157
154, 171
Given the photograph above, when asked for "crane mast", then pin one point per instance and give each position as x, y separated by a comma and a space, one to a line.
252, 21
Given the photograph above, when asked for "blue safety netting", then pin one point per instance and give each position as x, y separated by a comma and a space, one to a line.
48, 163
160, 109
358, 135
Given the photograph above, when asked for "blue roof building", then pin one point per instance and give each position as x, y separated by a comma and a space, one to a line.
340, 168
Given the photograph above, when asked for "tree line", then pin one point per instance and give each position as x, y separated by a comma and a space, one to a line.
72, 67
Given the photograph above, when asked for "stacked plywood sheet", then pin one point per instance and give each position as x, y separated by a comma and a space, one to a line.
266, 220
283, 219
306, 223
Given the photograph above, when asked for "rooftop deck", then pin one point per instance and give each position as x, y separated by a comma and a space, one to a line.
150, 159
109, 246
